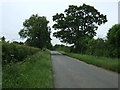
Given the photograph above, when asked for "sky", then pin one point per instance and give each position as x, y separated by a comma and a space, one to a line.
14, 12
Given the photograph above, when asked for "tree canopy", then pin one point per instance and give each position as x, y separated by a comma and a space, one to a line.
36, 31
113, 37
77, 23
113, 34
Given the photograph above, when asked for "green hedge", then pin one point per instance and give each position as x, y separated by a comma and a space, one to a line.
12, 52
35, 72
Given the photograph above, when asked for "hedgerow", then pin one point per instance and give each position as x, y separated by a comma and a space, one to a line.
12, 52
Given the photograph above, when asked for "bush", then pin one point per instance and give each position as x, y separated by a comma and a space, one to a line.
12, 52
62, 48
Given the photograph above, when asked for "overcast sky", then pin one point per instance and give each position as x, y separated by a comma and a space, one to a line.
14, 12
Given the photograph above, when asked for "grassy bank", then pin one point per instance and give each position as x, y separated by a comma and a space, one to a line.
107, 63
34, 72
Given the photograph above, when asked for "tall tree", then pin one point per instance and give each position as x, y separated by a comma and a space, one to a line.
36, 31
113, 37
77, 23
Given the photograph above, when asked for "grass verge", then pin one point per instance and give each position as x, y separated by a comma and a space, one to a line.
34, 72
107, 63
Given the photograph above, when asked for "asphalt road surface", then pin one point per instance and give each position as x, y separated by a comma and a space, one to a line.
72, 73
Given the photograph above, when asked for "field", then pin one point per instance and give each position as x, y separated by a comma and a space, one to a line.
103, 62
33, 72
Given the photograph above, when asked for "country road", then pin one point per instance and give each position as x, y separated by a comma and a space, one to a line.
72, 73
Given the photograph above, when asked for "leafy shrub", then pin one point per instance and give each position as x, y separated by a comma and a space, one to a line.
62, 48
12, 52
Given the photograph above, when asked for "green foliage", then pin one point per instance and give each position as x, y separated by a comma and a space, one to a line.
113, 37
18, 42
62, 48
36, 31
107, 48
97, 47
12, 52
3, 39
81, 46
77, 24
35, 72
108, 63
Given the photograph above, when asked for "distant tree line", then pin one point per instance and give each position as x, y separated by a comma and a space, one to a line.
61, 47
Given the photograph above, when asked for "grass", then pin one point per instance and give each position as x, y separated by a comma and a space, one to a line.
34, 72
0, 77
107, 63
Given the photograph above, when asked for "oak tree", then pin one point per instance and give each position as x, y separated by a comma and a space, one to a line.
77, 23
